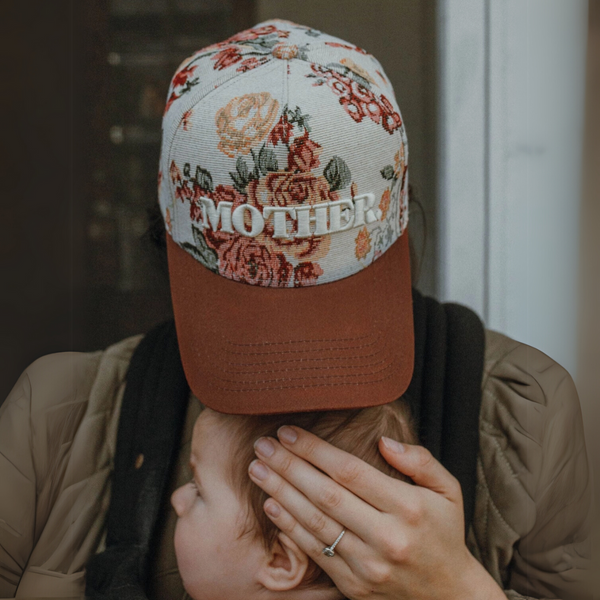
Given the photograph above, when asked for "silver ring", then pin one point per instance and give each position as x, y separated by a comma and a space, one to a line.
330, 550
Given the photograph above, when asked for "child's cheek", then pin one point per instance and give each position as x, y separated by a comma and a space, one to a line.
183, 542
177, 541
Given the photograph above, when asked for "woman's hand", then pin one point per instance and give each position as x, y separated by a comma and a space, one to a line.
401, 540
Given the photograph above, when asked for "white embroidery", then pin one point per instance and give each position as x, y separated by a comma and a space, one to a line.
258, 223
327, 217
212, 214
336, 214
279, 219
363, 211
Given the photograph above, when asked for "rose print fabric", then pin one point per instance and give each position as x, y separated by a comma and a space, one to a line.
284, 158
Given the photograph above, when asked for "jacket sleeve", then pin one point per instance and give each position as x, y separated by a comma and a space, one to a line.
40, 426
17, 492
57, 437
534, 493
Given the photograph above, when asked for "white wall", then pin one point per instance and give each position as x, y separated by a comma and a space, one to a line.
512, 78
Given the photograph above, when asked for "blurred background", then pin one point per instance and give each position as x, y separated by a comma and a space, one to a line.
500, 100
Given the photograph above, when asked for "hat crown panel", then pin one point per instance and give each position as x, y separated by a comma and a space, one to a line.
298, 134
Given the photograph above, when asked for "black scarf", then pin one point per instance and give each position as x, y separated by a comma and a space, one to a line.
444, 395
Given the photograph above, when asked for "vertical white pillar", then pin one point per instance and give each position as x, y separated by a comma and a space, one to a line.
462, 146
512, 103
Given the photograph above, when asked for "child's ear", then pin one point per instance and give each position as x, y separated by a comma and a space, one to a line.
284, 567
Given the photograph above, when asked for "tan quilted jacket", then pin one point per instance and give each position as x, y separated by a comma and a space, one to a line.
57, 443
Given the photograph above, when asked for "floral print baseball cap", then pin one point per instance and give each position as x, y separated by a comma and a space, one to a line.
283, 184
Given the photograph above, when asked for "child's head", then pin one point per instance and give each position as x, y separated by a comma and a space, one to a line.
226, 546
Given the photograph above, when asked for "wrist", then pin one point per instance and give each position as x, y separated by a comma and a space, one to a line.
478, 584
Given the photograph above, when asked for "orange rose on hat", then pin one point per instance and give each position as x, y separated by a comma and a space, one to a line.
244, 122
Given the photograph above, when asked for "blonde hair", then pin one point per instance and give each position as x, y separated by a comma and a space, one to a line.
356, 431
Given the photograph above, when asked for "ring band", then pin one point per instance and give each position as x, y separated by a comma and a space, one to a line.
330, 550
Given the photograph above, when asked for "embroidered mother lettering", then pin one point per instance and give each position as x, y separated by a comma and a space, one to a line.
290, 222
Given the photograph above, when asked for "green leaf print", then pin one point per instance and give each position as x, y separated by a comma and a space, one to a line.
337, 174
241, 176
202, 251
267, 161
204, 179
388, 172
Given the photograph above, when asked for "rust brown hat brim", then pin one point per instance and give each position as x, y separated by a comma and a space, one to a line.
256, 350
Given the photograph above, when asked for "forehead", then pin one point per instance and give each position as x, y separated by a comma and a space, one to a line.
211, 438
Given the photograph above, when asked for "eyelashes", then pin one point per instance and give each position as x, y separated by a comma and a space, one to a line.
195, 485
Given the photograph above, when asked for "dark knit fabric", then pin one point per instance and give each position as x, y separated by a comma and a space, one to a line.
445, 390
444, 395
150, 426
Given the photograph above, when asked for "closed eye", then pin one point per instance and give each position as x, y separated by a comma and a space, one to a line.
195, 485
194, 480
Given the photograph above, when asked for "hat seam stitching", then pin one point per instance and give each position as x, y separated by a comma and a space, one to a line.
303, 351
276, 362
296, 369
328, 340
289, 387
389, 364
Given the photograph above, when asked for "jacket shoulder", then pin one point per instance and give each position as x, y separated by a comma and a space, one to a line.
533, 480
530, 409
537, 376
57, 375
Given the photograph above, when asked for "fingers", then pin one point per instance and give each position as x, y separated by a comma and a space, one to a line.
335, 566
321, 525
356, 569
363, 480
419, 464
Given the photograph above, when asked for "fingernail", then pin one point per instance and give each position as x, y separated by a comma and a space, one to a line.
259, 470
287, 434
272, 509
392, 445
264, 446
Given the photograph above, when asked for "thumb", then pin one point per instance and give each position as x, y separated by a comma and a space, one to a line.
420, 465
